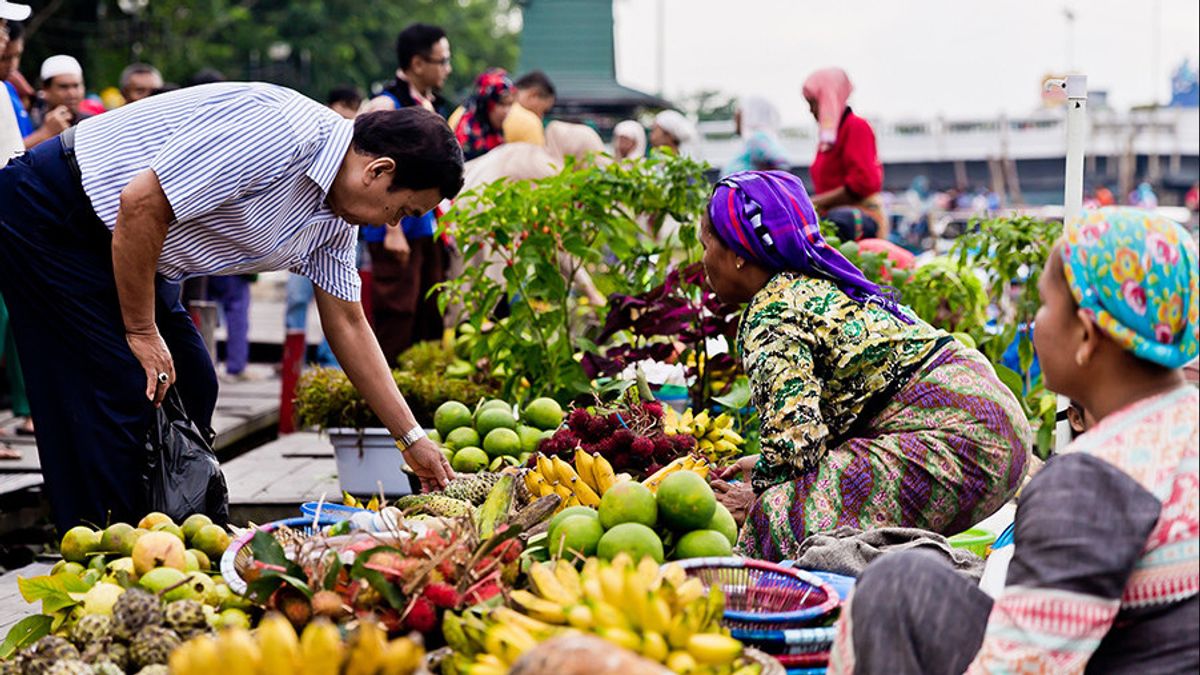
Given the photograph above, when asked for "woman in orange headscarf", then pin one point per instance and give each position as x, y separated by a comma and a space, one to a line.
846, 173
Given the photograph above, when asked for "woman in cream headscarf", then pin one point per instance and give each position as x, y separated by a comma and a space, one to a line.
629, 140
672, 130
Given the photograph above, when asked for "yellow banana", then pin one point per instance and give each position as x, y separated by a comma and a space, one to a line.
573, 500
401, 657
726, 447
723, 421
680, 662
366, 649
239, 653
581, 617
531, 482
546, 468
563, 491
196, 657
713, 648
621, 637
320, 648
585, 467
539, 608
657, 614
564, 471
568, 577
603, 471
279, 644
688, 592
587, 496
535, 627
704, 445
654, 646
606, 615
685, 422
700, 422
734, 437
549, 587
612, 582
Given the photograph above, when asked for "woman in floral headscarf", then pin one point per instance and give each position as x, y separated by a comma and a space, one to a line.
481, 126
869, 416
1105, 575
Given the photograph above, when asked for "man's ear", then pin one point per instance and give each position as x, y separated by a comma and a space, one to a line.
380, 167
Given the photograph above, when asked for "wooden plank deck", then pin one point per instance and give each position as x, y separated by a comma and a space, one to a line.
271, 481
13, 607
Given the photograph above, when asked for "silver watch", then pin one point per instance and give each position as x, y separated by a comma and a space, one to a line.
415, 434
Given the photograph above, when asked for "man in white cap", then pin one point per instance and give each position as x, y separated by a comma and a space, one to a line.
62, 92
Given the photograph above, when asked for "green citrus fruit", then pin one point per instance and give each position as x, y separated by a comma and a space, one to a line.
160, 578
158, 549
635, 539
723, 522
575, 535
572, 511
530, 438
113, 538
170, 528
502, 441
544, 413
153, 518
213, 540
462, 437
703, 544
490, 419
100, 598
469, 460
628, 502
450, 416
685, 501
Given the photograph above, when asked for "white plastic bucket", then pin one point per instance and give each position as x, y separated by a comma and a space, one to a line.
368, 461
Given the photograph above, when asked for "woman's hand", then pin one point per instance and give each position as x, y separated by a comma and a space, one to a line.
737, 497
744, 467
429, 465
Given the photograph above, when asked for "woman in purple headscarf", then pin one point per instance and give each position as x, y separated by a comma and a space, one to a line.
869, 416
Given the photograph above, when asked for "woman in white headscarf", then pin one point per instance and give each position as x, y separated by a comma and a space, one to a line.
629, 140
672, 130
757, 122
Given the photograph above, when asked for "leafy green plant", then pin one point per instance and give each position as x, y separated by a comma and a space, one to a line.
542, 234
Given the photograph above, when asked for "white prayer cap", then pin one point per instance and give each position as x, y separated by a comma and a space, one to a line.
12, 11
60, 64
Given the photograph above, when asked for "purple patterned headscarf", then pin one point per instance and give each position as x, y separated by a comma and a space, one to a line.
767, 217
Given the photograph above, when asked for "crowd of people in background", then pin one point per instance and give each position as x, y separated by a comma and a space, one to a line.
402, 265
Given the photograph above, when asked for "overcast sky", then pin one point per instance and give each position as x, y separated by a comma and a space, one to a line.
908, 58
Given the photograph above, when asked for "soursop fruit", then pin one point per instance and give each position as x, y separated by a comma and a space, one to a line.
13, 666
156, 669
106, 668
471, 488
107, 650
135, 610
184, 615
70, 667
435, 505
91, 628
153, 645
48, 651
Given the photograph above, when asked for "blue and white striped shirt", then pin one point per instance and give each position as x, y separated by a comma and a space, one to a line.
246, 168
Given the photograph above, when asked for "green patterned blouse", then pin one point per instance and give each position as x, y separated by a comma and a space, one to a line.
814, 358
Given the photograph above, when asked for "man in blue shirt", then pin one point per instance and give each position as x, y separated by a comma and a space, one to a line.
10, 61
101, 223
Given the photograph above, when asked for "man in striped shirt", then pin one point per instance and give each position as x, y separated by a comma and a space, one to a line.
99, 225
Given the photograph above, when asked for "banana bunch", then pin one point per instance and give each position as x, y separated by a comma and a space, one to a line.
350, 500
275, 648
580, 485
715, 437
698, 465
659, 613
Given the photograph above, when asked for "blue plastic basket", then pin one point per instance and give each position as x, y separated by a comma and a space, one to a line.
238, 555
760, 595
337, 511
790, 641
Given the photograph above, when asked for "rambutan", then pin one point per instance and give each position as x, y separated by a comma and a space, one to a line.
654, 408
422, 617
578, 419
642, 448
441, 595
482, 593
622, 439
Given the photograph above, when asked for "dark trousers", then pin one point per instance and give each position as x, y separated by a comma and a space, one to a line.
86, 388
405, 313
233, 293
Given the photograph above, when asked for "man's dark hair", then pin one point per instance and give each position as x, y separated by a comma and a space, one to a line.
426, 153
205, 76
537, 80
16, 31
416, 40
348, 94
136, 69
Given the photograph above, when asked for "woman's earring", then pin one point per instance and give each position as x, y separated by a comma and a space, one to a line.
740, 263
1079, 360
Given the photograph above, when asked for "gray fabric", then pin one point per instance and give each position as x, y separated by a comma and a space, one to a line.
1081, 525
911, 613
848, 550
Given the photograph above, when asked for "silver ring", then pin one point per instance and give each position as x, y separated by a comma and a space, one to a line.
163, 378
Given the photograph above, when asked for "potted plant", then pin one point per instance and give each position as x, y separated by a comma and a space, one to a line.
367, 459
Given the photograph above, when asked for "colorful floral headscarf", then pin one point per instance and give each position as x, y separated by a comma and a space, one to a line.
474, 130
1135, 272
767, 217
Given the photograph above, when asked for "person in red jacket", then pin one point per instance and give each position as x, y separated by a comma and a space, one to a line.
846, 173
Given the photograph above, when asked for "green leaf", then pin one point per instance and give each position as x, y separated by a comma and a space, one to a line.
738, 396
24, 633
1012, 380
331, 576
261, 589
267, 549
377, 580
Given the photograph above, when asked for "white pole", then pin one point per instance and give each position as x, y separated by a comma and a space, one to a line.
1076, 88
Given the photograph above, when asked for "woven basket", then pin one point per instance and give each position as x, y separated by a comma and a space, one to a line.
237, 558
770, 666
790, 641
764, 596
